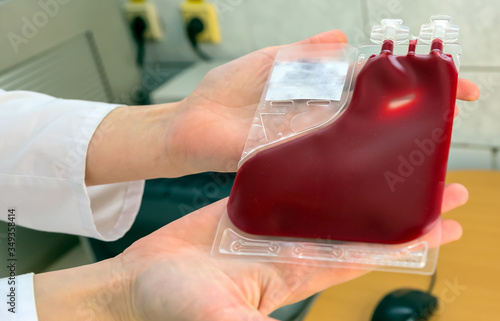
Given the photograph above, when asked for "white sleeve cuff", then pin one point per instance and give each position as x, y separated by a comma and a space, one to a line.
19, 295
114, 208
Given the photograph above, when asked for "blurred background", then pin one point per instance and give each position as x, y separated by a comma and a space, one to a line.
138, 52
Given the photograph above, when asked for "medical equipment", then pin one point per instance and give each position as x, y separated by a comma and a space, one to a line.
346, 158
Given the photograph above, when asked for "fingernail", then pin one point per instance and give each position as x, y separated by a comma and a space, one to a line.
477, 93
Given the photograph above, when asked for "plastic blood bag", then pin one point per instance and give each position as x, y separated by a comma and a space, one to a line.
376, 173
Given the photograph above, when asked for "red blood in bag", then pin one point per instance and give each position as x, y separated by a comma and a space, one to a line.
376, 174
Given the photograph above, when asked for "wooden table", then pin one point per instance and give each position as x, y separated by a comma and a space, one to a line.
472, 263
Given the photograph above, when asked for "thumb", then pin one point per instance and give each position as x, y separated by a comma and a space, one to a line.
332, 36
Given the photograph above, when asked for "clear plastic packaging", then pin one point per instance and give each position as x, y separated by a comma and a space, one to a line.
310, 88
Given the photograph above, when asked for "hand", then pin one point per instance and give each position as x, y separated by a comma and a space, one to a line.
175, 278
170, 275
204, 132
214, 121
212, 124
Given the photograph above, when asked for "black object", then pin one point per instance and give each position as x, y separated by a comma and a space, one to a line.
139, 29
194, 28
406, 305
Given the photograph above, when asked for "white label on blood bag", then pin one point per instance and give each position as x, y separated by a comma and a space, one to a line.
307, 80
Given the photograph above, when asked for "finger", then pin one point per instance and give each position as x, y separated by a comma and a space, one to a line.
454, 195
467, 90
332, 36
450, 231
456, 111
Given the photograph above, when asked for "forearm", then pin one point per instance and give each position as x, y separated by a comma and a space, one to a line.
98, 291
130, 145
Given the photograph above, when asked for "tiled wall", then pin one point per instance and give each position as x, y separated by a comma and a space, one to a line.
248, 25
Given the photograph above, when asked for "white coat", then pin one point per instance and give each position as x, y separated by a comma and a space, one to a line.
43, 146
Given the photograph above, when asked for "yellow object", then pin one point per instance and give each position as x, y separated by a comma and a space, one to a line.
147, 11
207, 13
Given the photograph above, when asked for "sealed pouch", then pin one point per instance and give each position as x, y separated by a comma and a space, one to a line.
346, 157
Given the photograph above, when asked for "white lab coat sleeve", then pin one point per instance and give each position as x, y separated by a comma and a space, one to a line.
18, 298
43, 148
